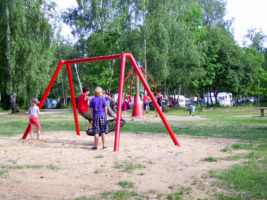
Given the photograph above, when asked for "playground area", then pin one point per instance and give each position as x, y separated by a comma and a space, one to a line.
147, 166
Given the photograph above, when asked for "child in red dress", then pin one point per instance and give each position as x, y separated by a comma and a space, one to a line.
124, 105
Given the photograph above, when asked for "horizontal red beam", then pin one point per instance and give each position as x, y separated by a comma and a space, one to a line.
92, 59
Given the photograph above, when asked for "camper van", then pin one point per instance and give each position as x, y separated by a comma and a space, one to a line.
181, 99
224, 98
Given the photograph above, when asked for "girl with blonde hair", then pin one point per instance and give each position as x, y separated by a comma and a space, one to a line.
98, 107
34, 112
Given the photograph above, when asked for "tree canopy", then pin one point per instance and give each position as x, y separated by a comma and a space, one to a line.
186, 46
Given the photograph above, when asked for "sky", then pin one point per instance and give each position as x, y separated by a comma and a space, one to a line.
247, 14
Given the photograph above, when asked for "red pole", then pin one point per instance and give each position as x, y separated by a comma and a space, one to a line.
153, 99
46, 93
118, 122
83, 60
73, 100
151, 80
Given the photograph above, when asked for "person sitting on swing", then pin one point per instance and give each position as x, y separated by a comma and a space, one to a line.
159, 98
111, 113
83, 103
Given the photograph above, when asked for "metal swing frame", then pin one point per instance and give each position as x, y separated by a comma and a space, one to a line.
123, 58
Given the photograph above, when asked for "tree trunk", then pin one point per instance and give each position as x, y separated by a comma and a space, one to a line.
198, 96
211, 101
165, 88
216, 97
14, 106
144, 14
12, 96
179, 92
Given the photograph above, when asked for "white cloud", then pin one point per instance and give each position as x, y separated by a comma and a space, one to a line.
63, 5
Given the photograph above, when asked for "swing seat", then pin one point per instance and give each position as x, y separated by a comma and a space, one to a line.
111, 126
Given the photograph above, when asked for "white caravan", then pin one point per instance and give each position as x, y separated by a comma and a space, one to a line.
224, 98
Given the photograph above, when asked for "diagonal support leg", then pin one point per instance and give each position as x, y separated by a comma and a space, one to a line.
163, 118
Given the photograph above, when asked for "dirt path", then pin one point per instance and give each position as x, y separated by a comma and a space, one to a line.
61, 166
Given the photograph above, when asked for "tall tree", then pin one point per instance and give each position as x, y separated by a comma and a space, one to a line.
27, 59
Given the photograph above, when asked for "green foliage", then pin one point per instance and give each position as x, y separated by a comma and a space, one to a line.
26, 64
186, 46
248, 180
119, 194
52, 167
210, 159
126, 184
131, 166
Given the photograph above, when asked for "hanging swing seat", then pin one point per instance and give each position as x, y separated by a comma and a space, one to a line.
111, 126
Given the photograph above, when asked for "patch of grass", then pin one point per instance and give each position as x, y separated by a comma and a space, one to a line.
210, 159
262, 147
3, 172
99, 156
130, 167
248, 180
13, 161
119, 195
98, 171
34, 166
82, 198
12, 167
235, 157
256, 155
228, 197
206, 129
174, 196
160, 195
141, 174
226, 149
126, 184
222, 123
242, 146
182, 190
117, 164
105, 194
52, 167
22, 167
194, 182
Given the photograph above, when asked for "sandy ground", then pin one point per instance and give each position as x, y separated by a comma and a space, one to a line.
62, 166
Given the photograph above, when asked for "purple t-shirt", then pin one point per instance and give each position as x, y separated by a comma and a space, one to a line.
98, 104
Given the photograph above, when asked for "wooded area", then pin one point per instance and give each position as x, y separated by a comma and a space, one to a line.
186, 46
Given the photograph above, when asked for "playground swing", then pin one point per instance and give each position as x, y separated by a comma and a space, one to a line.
111, 122
123, 58
132, 73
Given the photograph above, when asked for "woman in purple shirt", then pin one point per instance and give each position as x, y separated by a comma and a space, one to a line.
98, 107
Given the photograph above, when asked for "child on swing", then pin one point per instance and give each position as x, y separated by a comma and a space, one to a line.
83, 105
34, 112
99, 111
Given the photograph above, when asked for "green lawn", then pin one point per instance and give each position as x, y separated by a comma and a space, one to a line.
239, 123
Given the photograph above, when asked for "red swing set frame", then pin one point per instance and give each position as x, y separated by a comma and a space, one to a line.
123, 58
